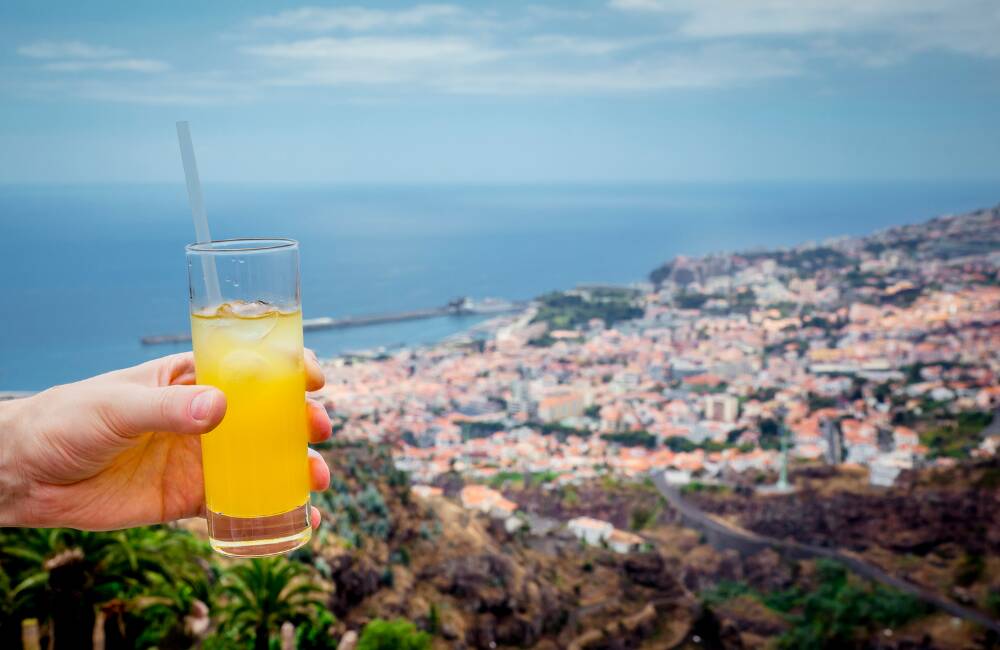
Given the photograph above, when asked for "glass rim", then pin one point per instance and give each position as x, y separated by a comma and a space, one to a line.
241, 245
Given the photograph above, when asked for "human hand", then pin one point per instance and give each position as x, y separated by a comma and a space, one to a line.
121, 449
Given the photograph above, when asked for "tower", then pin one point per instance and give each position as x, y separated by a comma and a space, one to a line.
834, 441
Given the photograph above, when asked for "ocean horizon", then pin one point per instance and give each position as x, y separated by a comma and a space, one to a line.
90, 269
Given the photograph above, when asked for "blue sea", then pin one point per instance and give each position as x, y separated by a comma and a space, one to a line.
88, 270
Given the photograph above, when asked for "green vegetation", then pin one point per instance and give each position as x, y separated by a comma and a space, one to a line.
800, 345
806, 260
705, 389
904, 298
543, 341
162, 587
726, 590
501, 478
399, 634
262, 594
541, 478
673, 443
569, 310
744, 301
145, 579
679, 444
988, 479
839, 612
479, 429
764, 394
561, 431
599, 293
770, 434
692, 300
856, 279
741, 302
661, 273
632, 439
695, 487
525, 479
146, 582
831, 615
643, 517
993, 602
434, 619
817, 402
970, 568
958, 438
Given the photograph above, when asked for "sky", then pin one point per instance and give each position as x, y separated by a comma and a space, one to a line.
501, 92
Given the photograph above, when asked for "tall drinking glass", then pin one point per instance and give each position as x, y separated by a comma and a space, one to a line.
246, 326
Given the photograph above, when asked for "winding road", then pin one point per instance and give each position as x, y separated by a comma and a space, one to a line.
723, 536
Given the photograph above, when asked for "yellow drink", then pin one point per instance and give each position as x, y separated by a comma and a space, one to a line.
255, 462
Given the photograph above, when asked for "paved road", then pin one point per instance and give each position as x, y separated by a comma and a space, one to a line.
722, 536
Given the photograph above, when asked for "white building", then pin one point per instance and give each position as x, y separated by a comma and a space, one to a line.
624, 542
861, 453
884, 469
721, 408
883, 473
590, 530
596, 532
676, 476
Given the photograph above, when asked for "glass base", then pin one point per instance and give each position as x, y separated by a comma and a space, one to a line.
259, 536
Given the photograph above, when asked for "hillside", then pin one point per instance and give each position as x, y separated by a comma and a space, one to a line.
937, 528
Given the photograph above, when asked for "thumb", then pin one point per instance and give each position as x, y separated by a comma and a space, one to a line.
175, 409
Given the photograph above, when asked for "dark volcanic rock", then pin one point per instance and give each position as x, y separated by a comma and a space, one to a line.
355, 580
651, 570
921, 514
768, 571
510, 606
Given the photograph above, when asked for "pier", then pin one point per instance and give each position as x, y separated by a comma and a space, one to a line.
457, 307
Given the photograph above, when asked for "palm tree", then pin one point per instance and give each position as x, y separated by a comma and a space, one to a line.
264, 593
64, 575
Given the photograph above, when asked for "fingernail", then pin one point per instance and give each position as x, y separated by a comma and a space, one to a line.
201, 405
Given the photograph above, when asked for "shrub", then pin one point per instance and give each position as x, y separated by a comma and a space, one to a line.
398, 634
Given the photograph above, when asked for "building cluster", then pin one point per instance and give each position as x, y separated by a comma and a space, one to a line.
838, 353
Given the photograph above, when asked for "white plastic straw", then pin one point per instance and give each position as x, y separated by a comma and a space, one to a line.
202, 233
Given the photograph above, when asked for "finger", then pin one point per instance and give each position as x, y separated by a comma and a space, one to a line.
179, 409
319, 472
172, 369
319, 421
314, 517
314, 373
178, 369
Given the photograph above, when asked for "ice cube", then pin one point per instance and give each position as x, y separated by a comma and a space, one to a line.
243, 365
243, 309
247, 321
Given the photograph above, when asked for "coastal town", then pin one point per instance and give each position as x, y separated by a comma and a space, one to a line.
792, 448
880, 353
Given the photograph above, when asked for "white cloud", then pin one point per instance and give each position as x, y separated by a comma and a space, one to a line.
129, 65
356, 18
378, 49
77, 56
705, 67
966, 26
543, 64
67, 50
582, 46
635, 46
369, 60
